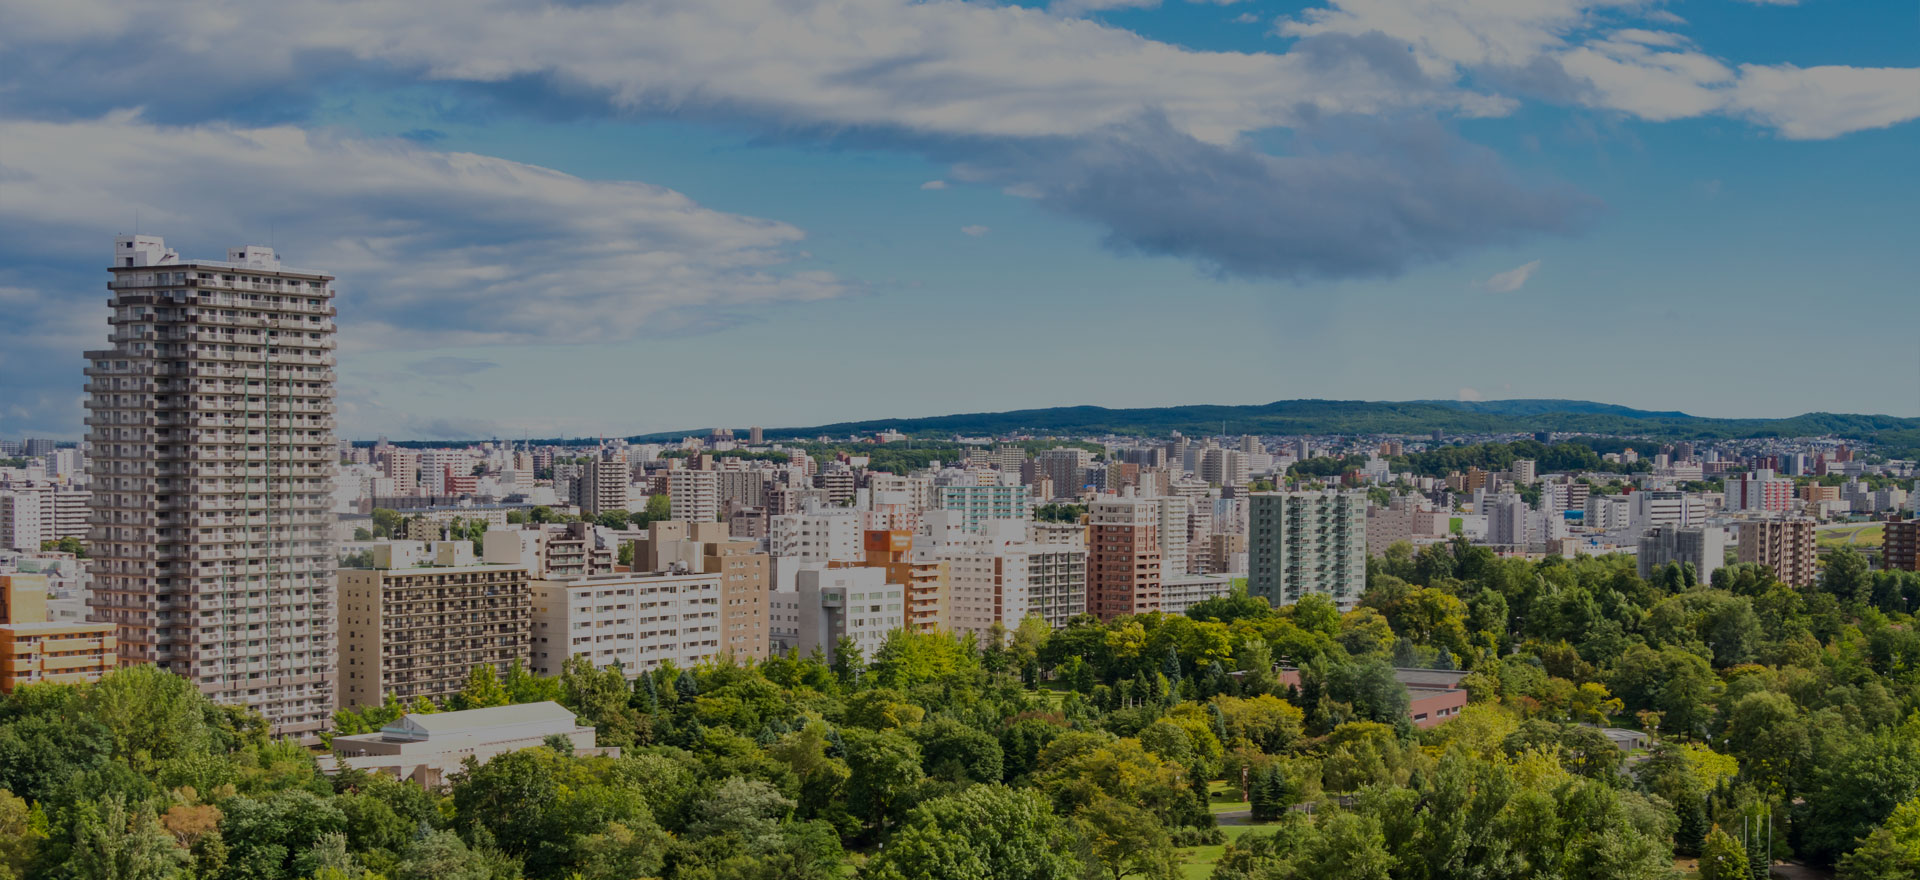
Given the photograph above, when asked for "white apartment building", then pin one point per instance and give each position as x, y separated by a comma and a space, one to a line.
1181, 593
1057, 572
693, 496
987, 570
20, 525
1660, 507
1607, 513
636, 620
830, 603
823, 534
1704, 548
212, 454
1174, 514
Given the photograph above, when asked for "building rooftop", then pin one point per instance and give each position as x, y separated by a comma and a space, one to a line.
477, 722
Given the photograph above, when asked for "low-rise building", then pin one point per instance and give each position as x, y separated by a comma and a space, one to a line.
427, 748
34, 649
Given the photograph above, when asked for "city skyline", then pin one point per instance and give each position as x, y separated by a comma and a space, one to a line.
1587, 200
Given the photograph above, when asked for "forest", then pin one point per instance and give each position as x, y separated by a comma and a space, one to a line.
1780, 722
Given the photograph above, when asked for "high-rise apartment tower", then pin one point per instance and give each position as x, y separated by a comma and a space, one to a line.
210, 421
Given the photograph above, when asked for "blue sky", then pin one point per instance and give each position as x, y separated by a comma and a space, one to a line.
623, 217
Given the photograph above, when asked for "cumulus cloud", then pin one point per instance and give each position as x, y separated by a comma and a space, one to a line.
934, 184
1511, 280
432, 247
975, 231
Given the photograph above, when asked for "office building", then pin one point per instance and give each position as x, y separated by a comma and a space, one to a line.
211, 464
1308, 542
20, 524
1704, 548
1784, 545
1123, 556
410, 630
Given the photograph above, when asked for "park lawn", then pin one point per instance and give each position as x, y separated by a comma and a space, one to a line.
1196, 862
1223, 798
1862, 535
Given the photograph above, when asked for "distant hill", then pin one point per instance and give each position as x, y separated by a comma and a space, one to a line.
1369, 417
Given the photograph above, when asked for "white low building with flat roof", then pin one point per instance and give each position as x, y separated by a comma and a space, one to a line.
426, 748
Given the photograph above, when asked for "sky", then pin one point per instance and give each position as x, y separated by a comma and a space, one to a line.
612, 217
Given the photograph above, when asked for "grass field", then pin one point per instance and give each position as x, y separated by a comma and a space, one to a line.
1196, 862
1858, 536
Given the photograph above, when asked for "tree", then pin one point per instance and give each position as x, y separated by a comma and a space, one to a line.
483, 690
441, 855
68, 544
983, 832
658, 509
613, 519
1723, 858
1891, 852
21, 831
1126, 841
1845, 575
112, 841
884, 769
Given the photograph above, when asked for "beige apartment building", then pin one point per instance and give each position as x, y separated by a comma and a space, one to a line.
1784, 545
419, 630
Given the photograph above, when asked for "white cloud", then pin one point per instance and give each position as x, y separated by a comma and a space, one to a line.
1772, 2
1511, 280
975, 230
1078, 7
934, 184
431, 246
1655, 75
1246, 18
1814, 103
